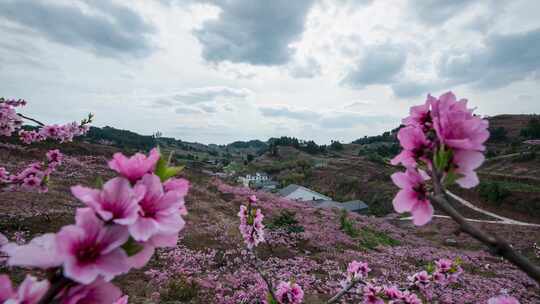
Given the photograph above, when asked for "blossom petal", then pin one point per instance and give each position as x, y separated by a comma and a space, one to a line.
404, 201
40, 252
143, 229
422, 213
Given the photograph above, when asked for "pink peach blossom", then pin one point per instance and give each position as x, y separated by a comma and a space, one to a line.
6, 289
251, 226
392, 292
372, 294
413, 196
466, 162
503, 299
116, 202
420, 279
29, 292
415, 147
41, 252
181, 186
98, 292
55, 156
122, 300
289, 293
90, 249
456, 126
159, 212
136, 166
357, 270
3, 239
420, 116
410, 298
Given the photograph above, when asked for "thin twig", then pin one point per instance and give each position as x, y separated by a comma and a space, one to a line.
31, 119
57, 285
266, 280
340, 294
268, 284
496, 244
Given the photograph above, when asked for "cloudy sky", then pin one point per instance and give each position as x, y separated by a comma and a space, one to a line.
224, 70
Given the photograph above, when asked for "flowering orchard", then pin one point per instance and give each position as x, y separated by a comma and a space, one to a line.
127, 218
36, 175
442, 141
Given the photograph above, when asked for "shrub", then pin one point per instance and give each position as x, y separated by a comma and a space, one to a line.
497, 134
180, 290
525, 156
375, 157
347, 225
532, 130
336, 145
292, 178
380, 206
493, 192
371, 239
287, 221
491, 153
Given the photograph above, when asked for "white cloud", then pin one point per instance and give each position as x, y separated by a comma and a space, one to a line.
225, 70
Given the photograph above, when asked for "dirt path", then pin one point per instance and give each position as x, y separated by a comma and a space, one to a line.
501, 219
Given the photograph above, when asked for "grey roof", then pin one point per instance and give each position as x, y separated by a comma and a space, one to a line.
288, 190
354, 205
326, 204
293, 187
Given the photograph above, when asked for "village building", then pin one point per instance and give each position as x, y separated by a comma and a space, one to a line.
318, 200
300, 193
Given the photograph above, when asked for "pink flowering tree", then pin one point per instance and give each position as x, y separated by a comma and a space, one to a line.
36, 175
141, 209
443, 144
356, 281
124, 221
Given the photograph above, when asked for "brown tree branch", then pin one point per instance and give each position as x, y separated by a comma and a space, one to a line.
496, 244
266, 280
268, 284
332, 300
340, 294
58, 283
31, 119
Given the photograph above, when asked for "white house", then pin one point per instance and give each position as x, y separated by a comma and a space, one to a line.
257, 177
299, 193
243, 181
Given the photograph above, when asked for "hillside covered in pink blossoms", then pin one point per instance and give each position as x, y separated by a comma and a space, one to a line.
311, 246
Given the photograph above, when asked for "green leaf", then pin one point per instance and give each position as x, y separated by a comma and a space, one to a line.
442, 159
131, 247
98, 182
430, 268
450, 178
164, 172
270, 299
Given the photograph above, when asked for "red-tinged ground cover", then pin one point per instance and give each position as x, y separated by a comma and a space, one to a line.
210, 263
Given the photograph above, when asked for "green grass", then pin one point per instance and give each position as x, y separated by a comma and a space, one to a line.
368, 238
371, 239
347, 225
180, 290
286, 220
515, 186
